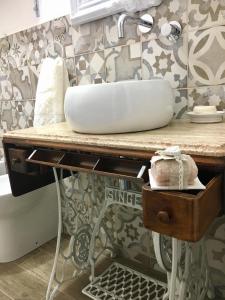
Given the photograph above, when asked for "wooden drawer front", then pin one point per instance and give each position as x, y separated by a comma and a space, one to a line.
17, 160
185, 216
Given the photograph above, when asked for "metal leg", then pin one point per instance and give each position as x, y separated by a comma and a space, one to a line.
187, 275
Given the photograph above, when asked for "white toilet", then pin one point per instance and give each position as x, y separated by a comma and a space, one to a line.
27, 221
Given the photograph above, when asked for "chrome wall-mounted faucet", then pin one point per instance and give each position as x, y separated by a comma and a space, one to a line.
172, 31
145, 23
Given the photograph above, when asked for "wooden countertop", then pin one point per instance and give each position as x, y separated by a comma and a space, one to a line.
196, 139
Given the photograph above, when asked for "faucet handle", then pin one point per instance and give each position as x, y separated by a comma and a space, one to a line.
172, 30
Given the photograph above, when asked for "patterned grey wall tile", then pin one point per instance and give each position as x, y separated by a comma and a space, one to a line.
84, 79
40, 42
212, 95
134, 240
111, 34
87, 37
207, 57
1, 150
181, 103
217, 229
70, 64
34, 72
98, 78
169, 10
216, 260
6, 91
21, 84
123, 62
16, 114
63, 37
82, 65
161, 59
18, 49
206, 13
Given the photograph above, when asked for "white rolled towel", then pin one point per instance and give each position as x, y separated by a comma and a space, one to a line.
52, 84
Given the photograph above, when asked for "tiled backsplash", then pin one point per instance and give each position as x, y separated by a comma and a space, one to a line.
195, 67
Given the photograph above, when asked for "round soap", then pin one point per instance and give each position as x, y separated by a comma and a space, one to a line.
200, 110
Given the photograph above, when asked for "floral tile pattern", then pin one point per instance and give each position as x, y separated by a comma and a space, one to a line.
123, 63
169, 10
87, 37
165, 60
21, 85
18, 49
70, 64
206, 57
211, 95
206, 13
181, 103
62, 37
111, 33
16, 114
194, 66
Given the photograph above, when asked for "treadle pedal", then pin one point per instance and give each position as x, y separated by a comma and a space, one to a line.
119, 282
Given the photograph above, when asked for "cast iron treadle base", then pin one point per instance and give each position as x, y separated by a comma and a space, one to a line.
119, 282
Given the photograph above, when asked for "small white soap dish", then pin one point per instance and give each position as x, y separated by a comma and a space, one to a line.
206, 118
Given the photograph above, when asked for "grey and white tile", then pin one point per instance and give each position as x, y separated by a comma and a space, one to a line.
169, 10
207, 57
40, 43
181, 103
70, 64
123, 62
87, 37
21, 84
16, 114
111, 32
17, 55
63, 42
161, 59
204, 14
211, 95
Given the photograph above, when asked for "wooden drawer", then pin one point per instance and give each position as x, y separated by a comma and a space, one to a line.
17, 160
184, 215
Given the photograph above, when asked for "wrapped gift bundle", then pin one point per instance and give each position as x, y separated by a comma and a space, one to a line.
171, 168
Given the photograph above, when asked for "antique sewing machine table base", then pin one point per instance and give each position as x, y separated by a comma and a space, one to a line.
179, 220
185, 263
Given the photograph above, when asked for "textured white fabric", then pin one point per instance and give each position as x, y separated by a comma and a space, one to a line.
52, 84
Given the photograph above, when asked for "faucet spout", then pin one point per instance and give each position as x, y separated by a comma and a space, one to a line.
135, 19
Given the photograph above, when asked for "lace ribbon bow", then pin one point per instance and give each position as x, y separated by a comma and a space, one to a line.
175, 153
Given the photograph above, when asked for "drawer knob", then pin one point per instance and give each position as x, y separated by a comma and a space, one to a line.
163, 217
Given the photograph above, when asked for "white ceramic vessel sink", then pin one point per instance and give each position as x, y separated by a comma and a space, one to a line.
125, 106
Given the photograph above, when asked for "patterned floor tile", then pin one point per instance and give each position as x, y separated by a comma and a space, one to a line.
211, 95
207, 57
111, 32
206, 13
87, 37
161, 59
123, 63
